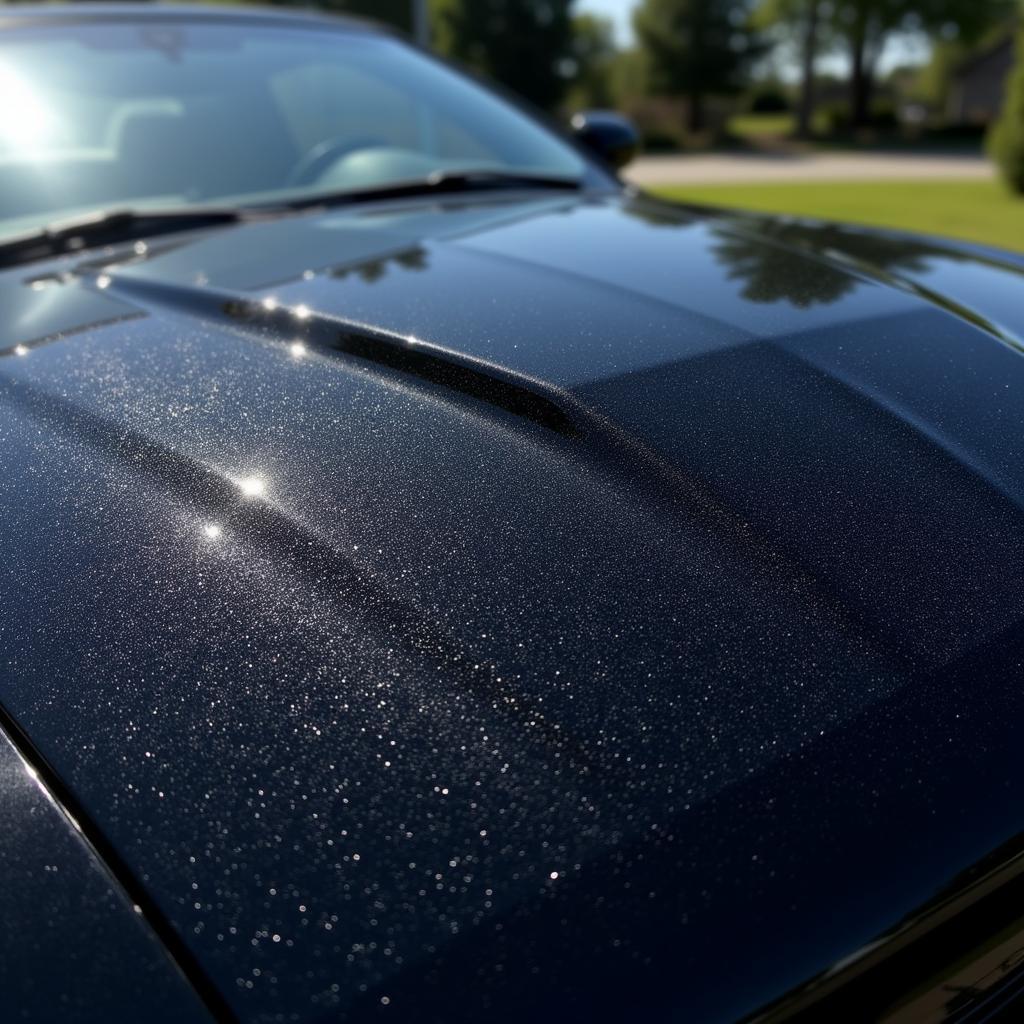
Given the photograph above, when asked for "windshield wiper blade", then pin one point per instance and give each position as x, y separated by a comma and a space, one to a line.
109, 227
438, 182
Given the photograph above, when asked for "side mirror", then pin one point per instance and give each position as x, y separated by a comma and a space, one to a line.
610, 136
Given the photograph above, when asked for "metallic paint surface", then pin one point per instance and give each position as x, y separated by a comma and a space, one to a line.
403, 703
71, 947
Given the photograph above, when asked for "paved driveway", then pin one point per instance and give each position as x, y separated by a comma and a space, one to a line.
722, 169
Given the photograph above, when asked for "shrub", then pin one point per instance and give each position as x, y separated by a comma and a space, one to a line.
836, 119
768, 99
1006, 139
658, 140
884, 117
965, 133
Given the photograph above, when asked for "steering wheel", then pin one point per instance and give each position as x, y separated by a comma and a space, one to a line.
315, 161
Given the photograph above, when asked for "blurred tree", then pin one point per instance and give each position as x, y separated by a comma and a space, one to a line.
696, 48
526, 45
628, 76
591, 63
1006, 139
768, 96
866, 25
803, 20
772, 273
398, 13
393, 12
933, 80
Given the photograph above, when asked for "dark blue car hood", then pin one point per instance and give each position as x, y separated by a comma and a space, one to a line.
566, 608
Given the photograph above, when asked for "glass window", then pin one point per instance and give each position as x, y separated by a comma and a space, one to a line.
171, 112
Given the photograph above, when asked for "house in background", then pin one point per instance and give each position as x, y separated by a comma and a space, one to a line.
978, 85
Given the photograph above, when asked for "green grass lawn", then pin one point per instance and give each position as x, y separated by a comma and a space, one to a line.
979, 211
747, 126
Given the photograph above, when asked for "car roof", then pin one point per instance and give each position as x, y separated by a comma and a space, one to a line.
79, 12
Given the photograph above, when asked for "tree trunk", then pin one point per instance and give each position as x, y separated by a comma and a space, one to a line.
861, 77
695, 113
805, 108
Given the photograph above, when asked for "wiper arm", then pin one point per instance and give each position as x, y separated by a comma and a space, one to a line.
438, 182
108, 227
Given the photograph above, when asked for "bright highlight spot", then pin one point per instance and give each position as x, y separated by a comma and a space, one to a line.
302, 312
21, 350
103, 281
212, 531
25, 120
297, 349
270, 304
252, 486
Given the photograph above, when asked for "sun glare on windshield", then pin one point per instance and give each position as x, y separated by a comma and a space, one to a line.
26, 121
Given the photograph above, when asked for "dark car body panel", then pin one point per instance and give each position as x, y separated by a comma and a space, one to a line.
72, 947
629, 621
514, 606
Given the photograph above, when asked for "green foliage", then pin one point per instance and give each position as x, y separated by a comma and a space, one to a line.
786, 19
835, 119
397, 13
391, 12
628, 76
862, 27
865, 25
769, 97
932, 83
526, 45
1006, 140
933, 80
966, 19
753, 127
696, 48
593, 55
801, 25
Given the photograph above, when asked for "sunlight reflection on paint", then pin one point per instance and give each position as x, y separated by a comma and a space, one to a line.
252, 486
297, 349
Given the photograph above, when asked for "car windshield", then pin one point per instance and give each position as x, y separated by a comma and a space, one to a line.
174, 113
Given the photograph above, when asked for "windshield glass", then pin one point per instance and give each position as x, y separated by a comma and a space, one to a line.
170, 113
